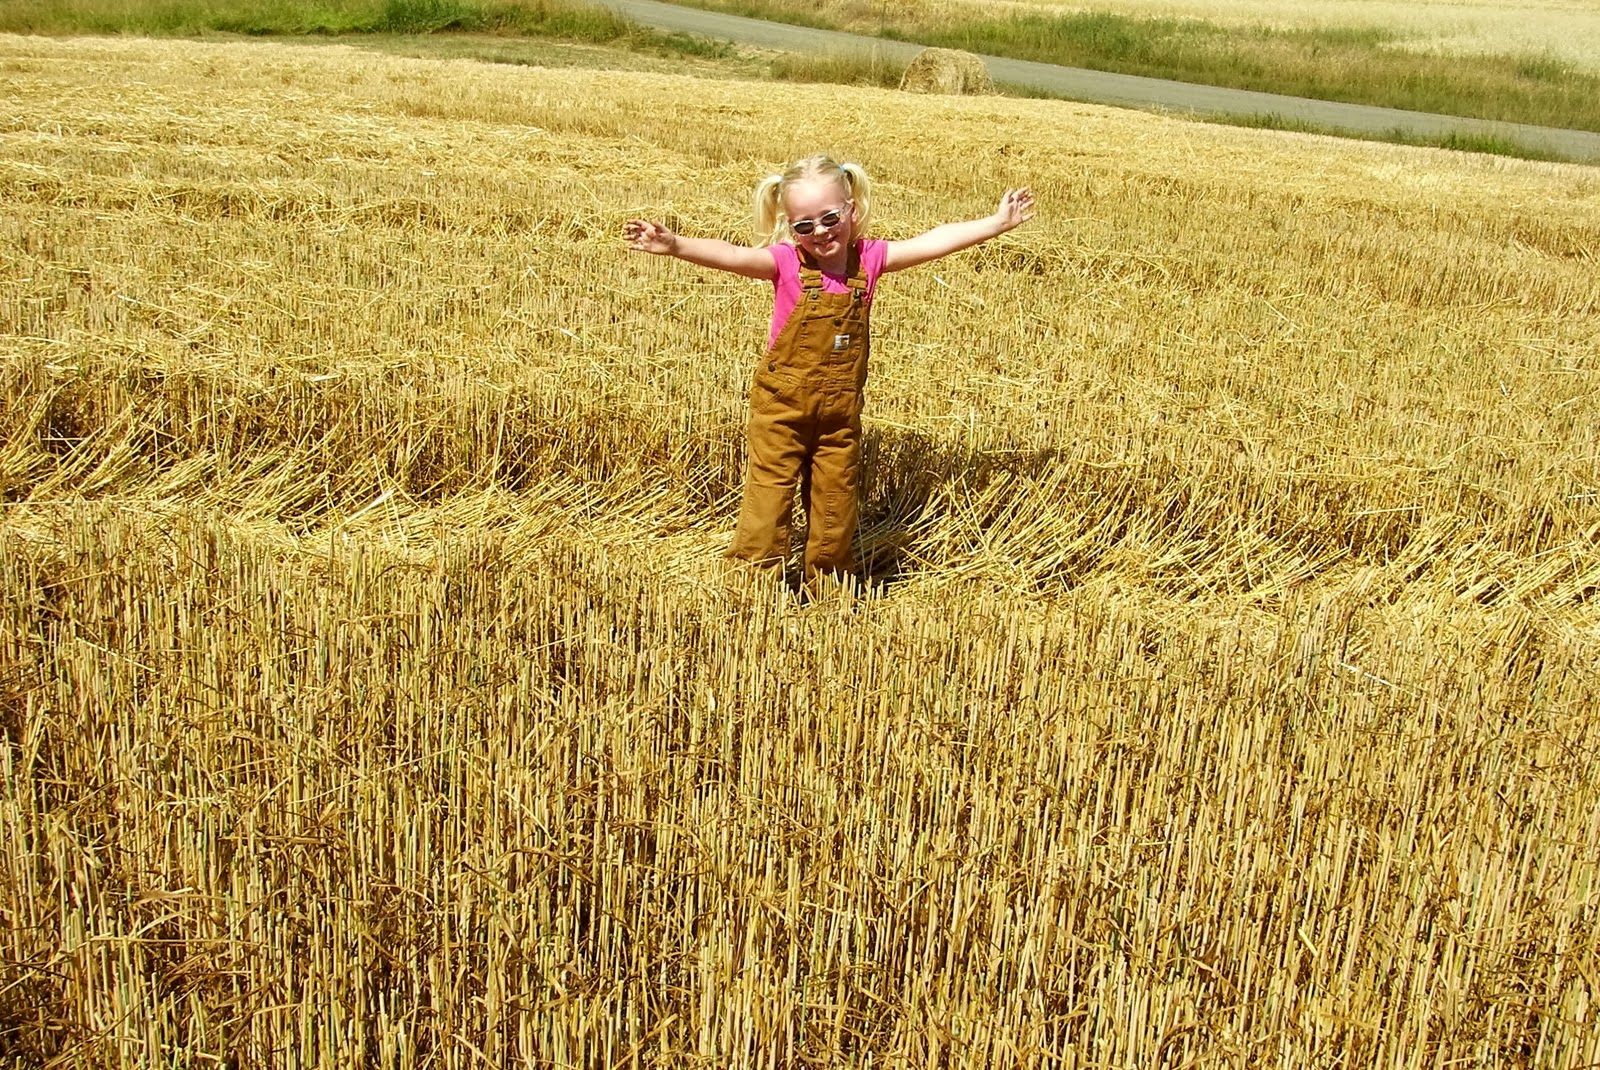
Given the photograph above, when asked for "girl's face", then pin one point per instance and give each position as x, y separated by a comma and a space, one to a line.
808, 201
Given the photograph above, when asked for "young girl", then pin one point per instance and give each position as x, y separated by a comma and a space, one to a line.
805, 402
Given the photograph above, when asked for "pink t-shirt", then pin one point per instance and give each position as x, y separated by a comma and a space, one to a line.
786, 287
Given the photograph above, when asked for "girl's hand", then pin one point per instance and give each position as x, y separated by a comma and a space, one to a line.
646, 237
1016, 208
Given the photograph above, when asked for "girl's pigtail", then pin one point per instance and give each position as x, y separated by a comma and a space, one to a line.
769, 221
859, 183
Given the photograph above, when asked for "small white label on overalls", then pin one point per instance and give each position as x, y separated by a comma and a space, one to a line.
841, 342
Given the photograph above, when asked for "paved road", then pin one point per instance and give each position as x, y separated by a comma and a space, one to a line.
1124, 90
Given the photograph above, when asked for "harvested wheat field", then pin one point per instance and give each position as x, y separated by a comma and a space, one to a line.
1225, 694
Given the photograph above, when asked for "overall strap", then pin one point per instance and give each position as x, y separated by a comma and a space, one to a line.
810, 274
857, 275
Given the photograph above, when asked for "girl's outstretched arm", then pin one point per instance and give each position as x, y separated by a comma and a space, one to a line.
647, 237
1016, 208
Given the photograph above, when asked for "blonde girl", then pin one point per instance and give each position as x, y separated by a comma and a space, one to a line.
805, 400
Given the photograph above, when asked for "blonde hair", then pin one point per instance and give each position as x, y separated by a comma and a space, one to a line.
772, 224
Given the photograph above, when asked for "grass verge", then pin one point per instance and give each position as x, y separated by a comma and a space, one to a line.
840, 68
1460, 142
564, 19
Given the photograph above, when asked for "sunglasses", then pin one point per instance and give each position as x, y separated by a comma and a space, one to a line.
827, 221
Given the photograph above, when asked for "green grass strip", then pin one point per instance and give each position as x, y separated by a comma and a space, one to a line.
564, 19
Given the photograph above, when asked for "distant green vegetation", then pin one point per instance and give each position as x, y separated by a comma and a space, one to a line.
1460, 142
1356, 65
841, 68
565, 19
187, 17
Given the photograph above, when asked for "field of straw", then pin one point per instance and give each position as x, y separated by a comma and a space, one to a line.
1225, 693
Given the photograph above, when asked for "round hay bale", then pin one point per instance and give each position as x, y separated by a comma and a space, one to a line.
946, 70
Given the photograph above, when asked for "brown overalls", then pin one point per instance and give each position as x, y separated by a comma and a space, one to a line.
805, 427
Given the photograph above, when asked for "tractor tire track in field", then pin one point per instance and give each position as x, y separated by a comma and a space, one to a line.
1125, 90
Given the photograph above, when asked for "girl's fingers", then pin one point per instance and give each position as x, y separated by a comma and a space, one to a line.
647, 237
1017, 205
641, 234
